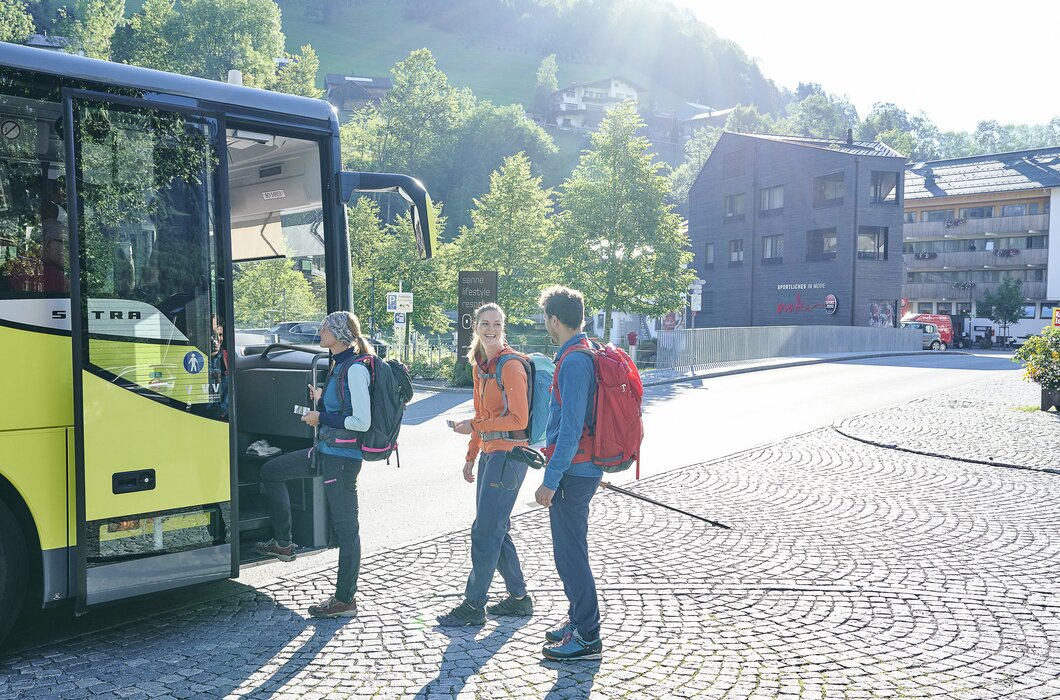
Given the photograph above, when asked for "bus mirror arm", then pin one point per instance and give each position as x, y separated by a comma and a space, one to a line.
408, 188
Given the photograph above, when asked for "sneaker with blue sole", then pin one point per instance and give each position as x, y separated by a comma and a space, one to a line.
573, 648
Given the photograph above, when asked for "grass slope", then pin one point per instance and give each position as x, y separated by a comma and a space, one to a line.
371, 36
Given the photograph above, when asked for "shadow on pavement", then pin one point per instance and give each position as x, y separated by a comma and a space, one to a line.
465, 655
433, 406
323, 631
574, 679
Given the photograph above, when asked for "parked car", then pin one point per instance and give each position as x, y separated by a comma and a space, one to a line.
305, 333
943, 324
931, 339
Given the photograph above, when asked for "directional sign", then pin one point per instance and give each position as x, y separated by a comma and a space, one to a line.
399, 302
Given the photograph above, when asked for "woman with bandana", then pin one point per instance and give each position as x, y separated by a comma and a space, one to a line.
342, 408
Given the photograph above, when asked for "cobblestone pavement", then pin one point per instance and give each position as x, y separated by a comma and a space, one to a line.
853, 571
994, 421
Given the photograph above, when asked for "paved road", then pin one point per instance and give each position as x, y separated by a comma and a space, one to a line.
852, 571
685, 423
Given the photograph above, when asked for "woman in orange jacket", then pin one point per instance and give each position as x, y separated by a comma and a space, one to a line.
499, 425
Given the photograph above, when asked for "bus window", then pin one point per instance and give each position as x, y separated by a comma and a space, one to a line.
277, 220
145, 193
34, 261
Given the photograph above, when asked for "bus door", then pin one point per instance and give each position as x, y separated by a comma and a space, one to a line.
153, 459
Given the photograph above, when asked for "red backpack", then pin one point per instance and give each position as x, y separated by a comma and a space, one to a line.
612, 438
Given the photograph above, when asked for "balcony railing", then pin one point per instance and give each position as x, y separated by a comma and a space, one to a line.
944, 290
977, 259
976, 227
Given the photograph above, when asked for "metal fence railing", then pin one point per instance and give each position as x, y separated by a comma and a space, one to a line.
706, 347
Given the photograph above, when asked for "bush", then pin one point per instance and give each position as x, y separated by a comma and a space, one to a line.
459, 373
1040, 356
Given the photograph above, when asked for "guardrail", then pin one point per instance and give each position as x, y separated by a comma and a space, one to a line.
706, 347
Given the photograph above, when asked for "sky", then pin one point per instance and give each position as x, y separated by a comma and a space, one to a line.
960, 62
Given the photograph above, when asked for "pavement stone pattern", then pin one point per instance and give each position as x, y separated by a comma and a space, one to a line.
853, 572
994, 420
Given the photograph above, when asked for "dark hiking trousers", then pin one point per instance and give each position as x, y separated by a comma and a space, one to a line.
340, 487
569, 518
492, 549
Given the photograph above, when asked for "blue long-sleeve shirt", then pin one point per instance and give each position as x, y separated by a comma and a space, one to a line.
576, 383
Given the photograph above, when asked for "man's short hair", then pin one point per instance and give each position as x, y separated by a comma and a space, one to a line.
568, 305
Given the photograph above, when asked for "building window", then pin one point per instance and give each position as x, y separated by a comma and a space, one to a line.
732, 165
772, 199
772, 250
944, 307
828, 190
1029, 311
910, 217
872, 243
1047, 309
924, 307
706, 303
1026, 209
708, 256
734, 206
884, 187
821, 244
736, 252
938, 215
977, 212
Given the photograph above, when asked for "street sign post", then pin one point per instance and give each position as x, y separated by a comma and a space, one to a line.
399, 302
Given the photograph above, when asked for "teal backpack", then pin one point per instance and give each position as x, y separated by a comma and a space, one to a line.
539, 371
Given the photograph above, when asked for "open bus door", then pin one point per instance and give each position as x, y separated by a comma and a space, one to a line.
152, 442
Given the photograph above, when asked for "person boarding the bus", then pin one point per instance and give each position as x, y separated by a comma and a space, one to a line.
340, 333
500, 424
570, 478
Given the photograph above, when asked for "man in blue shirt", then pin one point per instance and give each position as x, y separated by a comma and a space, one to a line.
571, 478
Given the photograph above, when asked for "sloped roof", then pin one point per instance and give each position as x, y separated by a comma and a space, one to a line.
366, 82
995, 172
853, 148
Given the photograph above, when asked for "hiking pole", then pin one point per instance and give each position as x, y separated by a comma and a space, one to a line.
608, 485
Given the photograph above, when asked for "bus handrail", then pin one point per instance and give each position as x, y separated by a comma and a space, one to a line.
288, 346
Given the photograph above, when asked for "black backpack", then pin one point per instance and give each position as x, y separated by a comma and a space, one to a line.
389, 389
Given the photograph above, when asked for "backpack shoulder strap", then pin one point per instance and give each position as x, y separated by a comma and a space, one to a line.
588, 349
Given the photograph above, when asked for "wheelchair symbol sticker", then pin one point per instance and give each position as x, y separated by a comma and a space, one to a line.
193, 362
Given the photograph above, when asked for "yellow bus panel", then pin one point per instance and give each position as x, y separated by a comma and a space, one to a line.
34, 461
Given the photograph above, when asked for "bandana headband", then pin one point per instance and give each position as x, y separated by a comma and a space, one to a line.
339, 325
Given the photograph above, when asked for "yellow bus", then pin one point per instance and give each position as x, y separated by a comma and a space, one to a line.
132, 203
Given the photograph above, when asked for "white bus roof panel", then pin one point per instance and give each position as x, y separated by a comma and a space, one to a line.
90, 69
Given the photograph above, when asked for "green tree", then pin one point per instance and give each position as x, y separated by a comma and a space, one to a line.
16, 23
747, 120
145, 39
366, 239
990, 136
547, 83
884, 117
820, 116
299, 75
511, 232
211, 37
898, 139
621, 243
270, 291
90, 25
697, 150
1005, 306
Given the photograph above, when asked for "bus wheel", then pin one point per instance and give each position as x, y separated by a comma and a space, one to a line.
13, 565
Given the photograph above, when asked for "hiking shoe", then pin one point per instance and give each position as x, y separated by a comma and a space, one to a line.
559, 633
273, 549
573, 648
333, 607
513, 607
463, 615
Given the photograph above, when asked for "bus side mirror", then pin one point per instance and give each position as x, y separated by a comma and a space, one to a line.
409, 189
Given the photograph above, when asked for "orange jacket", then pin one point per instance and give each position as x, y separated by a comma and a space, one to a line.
489, 406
